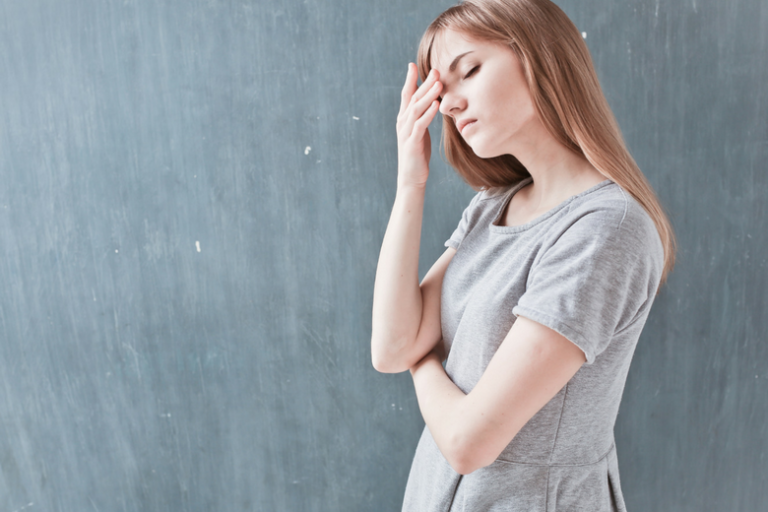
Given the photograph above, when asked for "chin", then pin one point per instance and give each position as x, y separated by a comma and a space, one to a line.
484, 152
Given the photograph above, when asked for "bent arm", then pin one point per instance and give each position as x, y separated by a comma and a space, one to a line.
532, 364
406, 315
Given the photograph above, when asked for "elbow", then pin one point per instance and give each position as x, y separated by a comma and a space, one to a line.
465, 455
386, 360
463, 462
384, 365
461, 467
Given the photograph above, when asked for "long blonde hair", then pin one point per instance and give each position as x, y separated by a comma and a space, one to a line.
566, 94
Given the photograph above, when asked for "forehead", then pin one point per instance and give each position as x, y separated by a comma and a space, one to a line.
449, 44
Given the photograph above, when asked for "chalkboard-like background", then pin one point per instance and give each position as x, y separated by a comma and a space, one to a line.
192, 200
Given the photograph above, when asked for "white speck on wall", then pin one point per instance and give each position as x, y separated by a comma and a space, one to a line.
307, 150
584, 35
116, 251
355, 118
318, 161
197, 245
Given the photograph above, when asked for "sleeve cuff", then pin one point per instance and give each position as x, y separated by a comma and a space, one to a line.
556, 325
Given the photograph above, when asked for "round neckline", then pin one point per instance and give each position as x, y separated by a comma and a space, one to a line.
494, 227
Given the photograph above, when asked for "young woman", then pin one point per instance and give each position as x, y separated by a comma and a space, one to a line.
547, 281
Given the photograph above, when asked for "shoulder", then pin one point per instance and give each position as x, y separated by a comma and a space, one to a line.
611, 216
615, 210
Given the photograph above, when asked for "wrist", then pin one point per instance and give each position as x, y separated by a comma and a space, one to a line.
404, 187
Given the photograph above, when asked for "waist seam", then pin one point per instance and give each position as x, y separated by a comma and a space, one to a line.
555, 465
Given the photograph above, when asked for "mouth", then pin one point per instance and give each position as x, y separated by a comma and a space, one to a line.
464, 124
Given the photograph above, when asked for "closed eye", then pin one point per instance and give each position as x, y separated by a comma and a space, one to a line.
471, 71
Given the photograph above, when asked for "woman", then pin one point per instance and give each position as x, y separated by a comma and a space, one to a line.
546, 283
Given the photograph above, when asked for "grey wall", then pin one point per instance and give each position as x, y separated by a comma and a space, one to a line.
192, 199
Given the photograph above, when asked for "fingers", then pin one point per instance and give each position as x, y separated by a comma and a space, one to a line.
418, 110
422, 123
409, 88
411, 93
431, 79
426, 98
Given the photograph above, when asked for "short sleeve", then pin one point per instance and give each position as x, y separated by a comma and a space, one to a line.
461, 230
593, 280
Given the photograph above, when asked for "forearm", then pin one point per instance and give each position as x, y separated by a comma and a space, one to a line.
530, 367
397, 299
397, 295
441, 403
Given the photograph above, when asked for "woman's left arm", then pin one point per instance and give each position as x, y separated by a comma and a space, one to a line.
532, 364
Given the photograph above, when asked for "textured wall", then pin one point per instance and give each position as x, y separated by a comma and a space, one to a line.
192, 200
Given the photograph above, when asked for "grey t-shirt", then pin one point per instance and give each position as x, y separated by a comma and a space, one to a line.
589, 269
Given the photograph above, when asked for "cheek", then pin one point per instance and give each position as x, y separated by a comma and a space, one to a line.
511, 100
516, 110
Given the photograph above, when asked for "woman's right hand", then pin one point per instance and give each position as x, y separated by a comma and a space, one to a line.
418, 106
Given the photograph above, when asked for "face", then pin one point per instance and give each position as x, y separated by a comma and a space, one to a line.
486, 87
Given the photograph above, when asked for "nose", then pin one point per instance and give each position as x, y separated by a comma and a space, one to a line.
451, 103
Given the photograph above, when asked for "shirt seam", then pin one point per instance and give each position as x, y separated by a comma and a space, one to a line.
626, 207
599, 460
559, 422
455, 490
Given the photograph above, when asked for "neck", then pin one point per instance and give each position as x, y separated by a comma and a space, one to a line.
557, 172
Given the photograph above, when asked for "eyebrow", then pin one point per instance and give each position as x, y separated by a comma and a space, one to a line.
455, 62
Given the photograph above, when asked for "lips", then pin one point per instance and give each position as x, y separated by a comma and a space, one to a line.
460, 125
